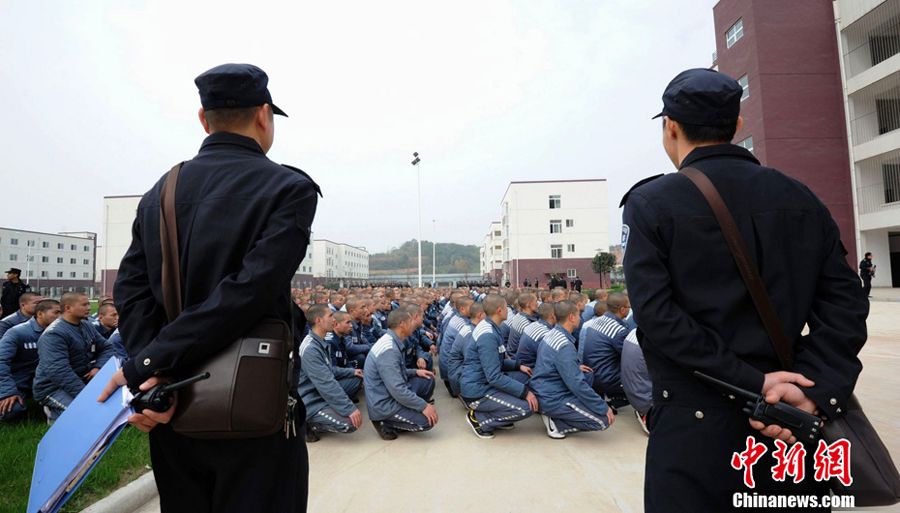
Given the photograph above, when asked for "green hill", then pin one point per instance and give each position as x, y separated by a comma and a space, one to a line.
451, 258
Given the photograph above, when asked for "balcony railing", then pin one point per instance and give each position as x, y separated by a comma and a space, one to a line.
875, 198
872, 39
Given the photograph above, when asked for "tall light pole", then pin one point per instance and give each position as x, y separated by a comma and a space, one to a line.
28, 266
434, 253
37, 271
415, 163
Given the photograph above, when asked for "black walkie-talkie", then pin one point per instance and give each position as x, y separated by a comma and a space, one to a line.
805, 426
159, 398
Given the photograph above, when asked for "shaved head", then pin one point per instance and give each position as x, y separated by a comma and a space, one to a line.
492, 303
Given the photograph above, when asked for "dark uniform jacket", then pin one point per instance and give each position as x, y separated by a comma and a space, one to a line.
694, 311
865, 269
11, 294
243, 228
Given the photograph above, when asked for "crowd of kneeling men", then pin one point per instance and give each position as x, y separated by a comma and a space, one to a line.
504, 354
50, 349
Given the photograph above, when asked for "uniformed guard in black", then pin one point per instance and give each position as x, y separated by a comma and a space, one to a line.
694, 312
867, 272
13, 288
243, 228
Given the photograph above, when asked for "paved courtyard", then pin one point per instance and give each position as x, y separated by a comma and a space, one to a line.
450, 470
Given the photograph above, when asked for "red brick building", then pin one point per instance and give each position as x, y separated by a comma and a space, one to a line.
785, 55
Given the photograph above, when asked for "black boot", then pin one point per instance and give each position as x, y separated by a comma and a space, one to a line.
384, 432
311, 435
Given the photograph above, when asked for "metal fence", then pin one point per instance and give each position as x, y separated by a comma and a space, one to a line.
872, 39
878, 197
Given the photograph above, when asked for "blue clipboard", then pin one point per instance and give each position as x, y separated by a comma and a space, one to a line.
77, 441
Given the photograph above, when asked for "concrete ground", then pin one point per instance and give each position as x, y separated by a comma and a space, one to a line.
450, 470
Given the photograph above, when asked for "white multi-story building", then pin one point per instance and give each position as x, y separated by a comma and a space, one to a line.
52, 263
869, 39
553, 227
482, 265
492, 253
118, 217
304, 275
338, 260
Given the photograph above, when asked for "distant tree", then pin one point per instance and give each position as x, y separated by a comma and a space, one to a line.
405, 257
462, 266
602, 264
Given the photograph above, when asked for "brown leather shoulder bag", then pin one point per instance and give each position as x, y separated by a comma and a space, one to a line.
246, 394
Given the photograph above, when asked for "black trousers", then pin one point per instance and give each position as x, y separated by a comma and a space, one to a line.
867, 284
268, 474
688, 467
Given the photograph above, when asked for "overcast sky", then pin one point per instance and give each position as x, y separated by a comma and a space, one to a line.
98, 99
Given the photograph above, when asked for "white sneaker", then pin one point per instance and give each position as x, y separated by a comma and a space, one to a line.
51, 416
552, 432
642, 420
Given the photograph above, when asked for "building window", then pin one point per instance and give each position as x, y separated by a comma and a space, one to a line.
890, 173
570, 248
72, 247
570, 223
59, 274
30, 243
45, 259
888, 112
555, 226
13, 257
59, 260
13, 242
498, 247
745, 84
884, 46
29, 258
87, 262
735, 33
43, 274
45, 244
73, 275
60, 245
556, 251
30, 273
747, 144
571, 273
87, 275
87, 248
497, 233
73, 260
555, 201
